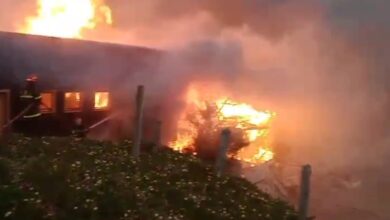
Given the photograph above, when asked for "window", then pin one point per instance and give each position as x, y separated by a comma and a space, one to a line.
73, 101
48, 102
102, 100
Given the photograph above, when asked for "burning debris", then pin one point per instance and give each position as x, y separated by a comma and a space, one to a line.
202, 122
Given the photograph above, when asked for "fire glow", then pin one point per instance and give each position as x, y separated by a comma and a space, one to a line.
254, 123
67, 18
72, 101
101, 100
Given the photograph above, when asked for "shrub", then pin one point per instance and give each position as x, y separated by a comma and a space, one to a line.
66, 179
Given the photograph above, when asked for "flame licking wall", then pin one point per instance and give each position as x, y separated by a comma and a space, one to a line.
321, 65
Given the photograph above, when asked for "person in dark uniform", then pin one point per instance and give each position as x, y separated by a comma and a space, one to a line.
31, 99
79, 130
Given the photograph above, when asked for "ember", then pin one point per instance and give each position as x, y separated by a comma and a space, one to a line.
205, 119
67, 18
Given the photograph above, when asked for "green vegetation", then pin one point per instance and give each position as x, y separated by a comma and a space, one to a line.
62, 178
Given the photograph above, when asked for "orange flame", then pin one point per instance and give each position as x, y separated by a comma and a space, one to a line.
256, 125
186, 132
67, 18
101, 100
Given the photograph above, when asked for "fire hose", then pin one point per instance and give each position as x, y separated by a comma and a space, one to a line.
29, 107
17, 117
101, 121
21, 114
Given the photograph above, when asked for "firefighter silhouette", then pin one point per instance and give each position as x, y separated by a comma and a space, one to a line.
31, 98
79, 130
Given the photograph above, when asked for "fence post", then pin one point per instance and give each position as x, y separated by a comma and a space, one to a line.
138, 121
303, 208
221, 157
157, 136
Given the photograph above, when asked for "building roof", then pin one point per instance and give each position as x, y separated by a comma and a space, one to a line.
68, 63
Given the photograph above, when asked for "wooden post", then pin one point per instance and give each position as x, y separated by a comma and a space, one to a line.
303, 208
157, 136
221, 157
138, 121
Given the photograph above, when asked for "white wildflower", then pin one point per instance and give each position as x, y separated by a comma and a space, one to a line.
7, 214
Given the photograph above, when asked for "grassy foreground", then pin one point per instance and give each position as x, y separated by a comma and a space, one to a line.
61, 178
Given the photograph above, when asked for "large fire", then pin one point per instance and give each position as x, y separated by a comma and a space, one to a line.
255, 125
67, 18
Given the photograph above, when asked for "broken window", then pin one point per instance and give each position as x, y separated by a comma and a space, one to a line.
48, 102
73, 101
101, 100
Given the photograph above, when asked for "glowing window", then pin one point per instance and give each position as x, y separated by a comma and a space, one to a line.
48, 102
102, 100
72, 101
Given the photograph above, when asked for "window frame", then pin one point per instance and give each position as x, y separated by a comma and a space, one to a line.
68, 110
94, 99
54, 101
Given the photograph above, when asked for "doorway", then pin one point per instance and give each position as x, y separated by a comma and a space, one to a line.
4, 108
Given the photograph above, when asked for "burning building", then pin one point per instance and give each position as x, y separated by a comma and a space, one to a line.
76, 78
91, 80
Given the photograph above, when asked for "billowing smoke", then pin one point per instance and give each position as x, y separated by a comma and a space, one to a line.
201, 61
272, 19
321, 65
